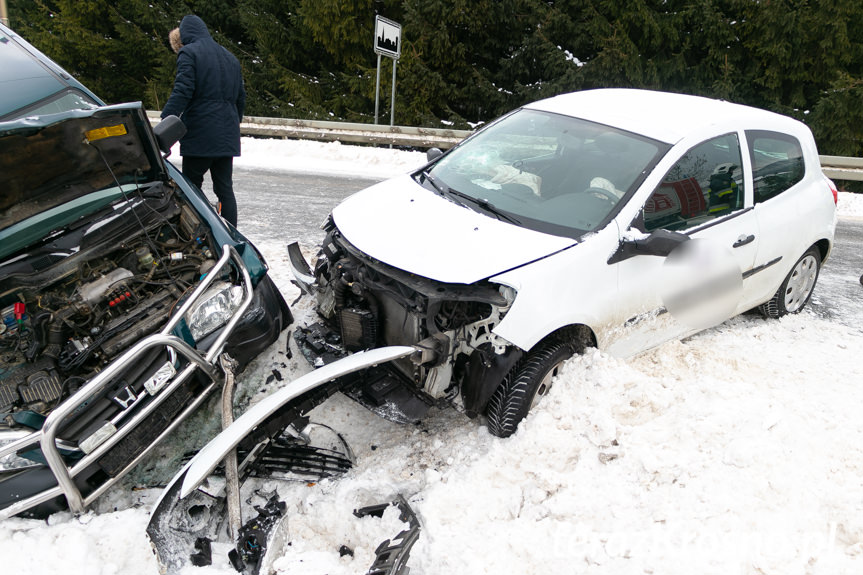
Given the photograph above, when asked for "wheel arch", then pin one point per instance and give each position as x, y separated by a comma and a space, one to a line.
824, 247
579, 336
486, 370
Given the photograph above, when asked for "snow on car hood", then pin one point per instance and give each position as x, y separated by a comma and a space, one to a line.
414, 229
49, 160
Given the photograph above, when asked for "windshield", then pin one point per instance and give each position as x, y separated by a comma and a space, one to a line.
56, 103
544, 171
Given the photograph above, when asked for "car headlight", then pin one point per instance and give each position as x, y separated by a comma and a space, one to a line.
12, 461
214, 309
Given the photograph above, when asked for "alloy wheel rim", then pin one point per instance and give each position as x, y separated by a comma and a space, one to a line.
800, 284
546, 383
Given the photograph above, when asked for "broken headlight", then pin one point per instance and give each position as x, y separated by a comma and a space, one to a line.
12, 461
214, 309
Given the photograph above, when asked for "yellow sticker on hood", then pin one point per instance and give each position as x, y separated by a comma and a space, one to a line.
106, 132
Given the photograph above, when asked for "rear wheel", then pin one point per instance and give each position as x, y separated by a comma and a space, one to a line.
524, 386
794, 293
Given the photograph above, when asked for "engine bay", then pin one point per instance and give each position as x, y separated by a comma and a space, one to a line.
367, 304
75, 301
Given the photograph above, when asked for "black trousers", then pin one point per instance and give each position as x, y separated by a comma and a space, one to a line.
222, 173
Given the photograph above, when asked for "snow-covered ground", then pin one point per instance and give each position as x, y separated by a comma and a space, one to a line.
739, 450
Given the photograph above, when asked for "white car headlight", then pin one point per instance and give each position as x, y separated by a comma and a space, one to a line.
214, 309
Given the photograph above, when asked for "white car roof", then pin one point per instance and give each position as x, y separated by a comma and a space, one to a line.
662, 116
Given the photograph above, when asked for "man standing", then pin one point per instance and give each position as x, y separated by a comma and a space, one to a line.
210, 98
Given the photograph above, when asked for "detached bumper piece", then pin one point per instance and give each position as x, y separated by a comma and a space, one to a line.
254, 537
292, 458
391, 556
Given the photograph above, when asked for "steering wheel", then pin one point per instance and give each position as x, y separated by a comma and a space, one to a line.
602, 193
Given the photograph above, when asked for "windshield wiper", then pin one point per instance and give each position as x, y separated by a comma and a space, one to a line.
486, 205
428, 177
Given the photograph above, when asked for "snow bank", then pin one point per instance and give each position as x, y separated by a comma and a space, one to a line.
850, 205
331, 158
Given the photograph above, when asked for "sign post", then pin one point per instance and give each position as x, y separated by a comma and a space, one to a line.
388, 42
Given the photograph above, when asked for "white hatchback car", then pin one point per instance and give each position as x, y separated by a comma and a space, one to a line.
575, 221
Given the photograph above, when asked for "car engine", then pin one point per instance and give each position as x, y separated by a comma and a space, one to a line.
366, 304
75, 301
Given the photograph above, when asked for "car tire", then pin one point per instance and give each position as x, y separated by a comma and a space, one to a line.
524, 386
795, 291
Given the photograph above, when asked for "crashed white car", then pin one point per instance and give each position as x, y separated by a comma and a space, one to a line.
577, 221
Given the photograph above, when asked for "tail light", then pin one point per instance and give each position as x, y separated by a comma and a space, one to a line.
833, 189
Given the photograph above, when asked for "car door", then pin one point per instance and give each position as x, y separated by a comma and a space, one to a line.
781, 198
704, 198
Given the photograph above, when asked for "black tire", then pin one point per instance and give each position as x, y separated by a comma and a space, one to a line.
523, 387
795, 291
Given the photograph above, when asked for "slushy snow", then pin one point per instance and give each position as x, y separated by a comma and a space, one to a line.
735, 451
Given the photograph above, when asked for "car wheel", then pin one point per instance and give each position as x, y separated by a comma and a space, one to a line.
795, 291
523, 387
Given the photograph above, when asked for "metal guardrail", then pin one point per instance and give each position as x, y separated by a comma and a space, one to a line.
835, 167
842, 168
346, 132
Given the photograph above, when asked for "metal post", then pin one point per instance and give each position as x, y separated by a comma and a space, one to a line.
378, 89
4, 16
232, 476
393, 97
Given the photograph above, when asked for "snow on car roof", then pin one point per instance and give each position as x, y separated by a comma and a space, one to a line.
662, 116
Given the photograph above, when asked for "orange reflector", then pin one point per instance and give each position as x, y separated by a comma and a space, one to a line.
106, 132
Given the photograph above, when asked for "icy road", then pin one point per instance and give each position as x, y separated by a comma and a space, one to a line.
739, 450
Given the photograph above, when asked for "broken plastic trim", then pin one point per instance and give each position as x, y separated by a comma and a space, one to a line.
391, 556
214, 452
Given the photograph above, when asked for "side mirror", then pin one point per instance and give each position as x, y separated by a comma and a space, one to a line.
433, 154
658, 243
168, 132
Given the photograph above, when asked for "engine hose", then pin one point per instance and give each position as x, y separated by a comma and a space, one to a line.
339, 290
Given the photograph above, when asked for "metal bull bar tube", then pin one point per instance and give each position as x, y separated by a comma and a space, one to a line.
47, 436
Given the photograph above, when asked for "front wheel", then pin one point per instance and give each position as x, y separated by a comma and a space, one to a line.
523, 387
794, 293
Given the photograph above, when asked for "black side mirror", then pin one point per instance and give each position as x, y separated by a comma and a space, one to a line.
658, 243
168, 132
433, 154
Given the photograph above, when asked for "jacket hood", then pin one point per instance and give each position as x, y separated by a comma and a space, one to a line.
192, 28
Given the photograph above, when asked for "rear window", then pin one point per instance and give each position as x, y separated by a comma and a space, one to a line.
777, 163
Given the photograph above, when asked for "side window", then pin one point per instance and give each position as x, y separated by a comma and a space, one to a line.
706, 183
777, 162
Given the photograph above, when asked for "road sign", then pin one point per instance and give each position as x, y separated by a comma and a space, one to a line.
388, 38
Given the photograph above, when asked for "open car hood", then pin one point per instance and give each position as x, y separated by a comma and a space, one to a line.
414, 229
52, 159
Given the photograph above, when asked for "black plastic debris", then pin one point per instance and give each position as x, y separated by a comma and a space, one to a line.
252, 539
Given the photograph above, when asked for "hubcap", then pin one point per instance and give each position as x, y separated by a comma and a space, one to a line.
800, 284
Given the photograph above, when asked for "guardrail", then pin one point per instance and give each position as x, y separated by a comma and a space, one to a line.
835, 167
842, 168
346, 132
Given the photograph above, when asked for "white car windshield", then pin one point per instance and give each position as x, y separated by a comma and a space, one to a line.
544, 171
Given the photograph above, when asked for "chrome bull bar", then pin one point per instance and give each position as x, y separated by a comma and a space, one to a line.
46, 438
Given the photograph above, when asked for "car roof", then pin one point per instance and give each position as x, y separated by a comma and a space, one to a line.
28, 76
663, 116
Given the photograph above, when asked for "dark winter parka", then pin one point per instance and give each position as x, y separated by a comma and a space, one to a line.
208, 94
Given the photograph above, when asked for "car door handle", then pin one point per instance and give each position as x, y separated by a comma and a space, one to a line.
743, 240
